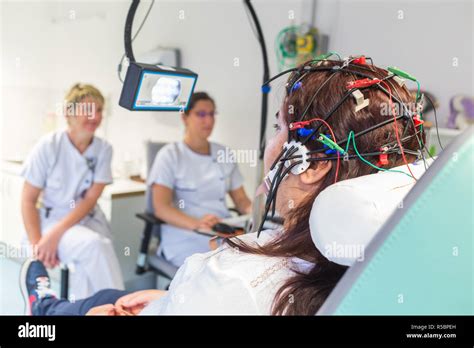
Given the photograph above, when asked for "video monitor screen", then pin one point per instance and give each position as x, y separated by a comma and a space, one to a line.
164, 91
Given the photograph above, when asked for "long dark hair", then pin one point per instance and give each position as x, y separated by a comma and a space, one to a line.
308, 291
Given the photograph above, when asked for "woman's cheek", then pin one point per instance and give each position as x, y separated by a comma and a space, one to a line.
269, 155
98, 118
273, 149
283, 201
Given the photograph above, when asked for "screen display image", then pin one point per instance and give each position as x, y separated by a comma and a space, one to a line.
164, 91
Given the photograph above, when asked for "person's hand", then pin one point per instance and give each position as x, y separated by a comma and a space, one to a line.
107, 309
207, 221
47, 247
135, 302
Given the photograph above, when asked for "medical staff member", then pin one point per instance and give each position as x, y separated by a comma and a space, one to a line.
70, 168
189, 181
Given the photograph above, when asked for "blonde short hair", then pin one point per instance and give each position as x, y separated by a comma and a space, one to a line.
80, 91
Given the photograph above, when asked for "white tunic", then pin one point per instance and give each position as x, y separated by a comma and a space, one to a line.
64, 174
227, 281
200, 184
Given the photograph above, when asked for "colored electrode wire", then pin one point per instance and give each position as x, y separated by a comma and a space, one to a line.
406, 75
313, 132
313, 97
395, 127
274, 180
287, 153
333, 136
271, 198
361, 156
347, 95
351, 135
272, 193
282, 176
364, 155
436, 120
420, 140
368, 130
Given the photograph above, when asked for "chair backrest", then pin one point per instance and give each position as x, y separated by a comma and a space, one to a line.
420, 261
152, 149
155, 258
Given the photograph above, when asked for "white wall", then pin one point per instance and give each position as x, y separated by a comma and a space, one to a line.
424, 42
44, 52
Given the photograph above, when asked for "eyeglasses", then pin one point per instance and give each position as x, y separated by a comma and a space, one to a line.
202, 114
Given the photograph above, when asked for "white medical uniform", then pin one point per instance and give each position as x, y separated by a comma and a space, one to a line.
200, 184
64, 174
226, 281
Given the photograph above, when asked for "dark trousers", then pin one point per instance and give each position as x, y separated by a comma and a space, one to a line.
54, 306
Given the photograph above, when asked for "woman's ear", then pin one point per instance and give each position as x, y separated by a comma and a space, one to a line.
315, 173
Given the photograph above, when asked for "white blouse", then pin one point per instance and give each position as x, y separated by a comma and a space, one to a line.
226, 281
64, 175
199, 184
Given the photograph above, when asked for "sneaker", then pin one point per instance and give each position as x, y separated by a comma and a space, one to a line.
35, 285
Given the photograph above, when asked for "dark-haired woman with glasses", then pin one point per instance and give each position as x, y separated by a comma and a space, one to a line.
189, 181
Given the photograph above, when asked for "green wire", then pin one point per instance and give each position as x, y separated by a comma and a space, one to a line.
329, 143
351, 135
405, 75
401, 73
326, 56
417, 99
335, 54
418, 90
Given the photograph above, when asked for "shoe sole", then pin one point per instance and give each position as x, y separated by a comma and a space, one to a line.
24, 290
